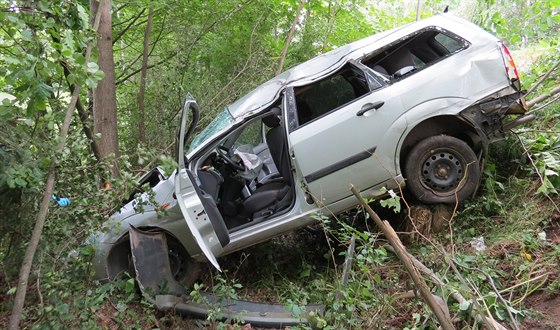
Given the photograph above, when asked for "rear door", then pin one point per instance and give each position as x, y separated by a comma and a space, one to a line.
199, 209
336, 126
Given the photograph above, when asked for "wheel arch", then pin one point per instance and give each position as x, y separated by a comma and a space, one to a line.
448, 125
118, 256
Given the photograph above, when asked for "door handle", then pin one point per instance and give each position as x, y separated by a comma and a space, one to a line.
369, 106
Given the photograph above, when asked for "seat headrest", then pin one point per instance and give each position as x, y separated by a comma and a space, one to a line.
273, 119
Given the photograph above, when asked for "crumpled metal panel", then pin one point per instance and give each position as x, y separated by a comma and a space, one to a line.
151, 264
257, 314
153, 274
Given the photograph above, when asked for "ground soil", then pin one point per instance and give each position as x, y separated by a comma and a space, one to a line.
544, 305
545, 311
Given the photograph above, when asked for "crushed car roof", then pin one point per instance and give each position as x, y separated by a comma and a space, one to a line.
265, 94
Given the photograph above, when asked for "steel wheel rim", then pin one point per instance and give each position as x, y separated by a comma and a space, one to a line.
443, 172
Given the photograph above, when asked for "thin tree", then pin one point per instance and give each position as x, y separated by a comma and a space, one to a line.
19, 300
290, 37
145, 55
104, 95
418, 9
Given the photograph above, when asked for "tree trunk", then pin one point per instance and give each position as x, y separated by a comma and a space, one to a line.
145, 54
290, 37
104, 95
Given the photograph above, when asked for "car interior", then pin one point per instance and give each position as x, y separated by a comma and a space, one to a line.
243, 195
322, 97
413, 53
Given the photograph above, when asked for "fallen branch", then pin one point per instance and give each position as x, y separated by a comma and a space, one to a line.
404, 257
541, 79
542, 97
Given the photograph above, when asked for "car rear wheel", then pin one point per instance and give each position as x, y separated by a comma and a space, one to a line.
442, 169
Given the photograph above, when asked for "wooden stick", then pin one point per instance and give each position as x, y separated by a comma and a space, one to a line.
541, 79
543, 97
400, 251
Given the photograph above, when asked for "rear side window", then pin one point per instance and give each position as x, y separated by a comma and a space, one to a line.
415, 52
323, 96
452, 45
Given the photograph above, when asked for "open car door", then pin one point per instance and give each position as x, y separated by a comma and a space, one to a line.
199, 209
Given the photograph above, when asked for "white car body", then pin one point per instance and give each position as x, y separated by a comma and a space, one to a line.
439, 77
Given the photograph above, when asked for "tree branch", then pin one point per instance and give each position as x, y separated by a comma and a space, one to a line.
404, 257
542, 97
123, 31
203, 32
167, 58
454, 293
153, 46
25, 269
541, 79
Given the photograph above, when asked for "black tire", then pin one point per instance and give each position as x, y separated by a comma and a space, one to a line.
183, 268
442, 169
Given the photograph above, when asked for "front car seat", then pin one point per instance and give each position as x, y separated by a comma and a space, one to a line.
276, 195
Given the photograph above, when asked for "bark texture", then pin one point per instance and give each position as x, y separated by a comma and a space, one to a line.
104, 95
144, 72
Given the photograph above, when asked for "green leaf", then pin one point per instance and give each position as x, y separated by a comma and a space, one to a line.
99, 75
12, 60
129, 286
21, 182
63, 308
92, 67
11, 18
79, 58
465, 305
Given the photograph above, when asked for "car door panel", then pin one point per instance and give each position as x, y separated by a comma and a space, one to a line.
199, 210
339, 149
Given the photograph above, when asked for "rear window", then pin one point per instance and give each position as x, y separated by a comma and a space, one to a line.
452, 45
419, 50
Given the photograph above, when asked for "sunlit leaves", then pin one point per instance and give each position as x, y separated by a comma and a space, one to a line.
35, 40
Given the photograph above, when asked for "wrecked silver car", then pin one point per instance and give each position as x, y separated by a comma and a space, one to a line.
414, 107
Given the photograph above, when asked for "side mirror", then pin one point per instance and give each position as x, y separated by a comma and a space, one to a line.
406, 70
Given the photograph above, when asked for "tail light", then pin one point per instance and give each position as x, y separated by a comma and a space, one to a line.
511, 69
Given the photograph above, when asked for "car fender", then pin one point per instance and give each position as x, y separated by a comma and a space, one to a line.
164, 216
450, 106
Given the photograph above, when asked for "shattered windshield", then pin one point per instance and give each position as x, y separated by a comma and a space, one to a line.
222, 120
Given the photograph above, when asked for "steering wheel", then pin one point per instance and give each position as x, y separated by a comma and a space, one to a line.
222, 152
